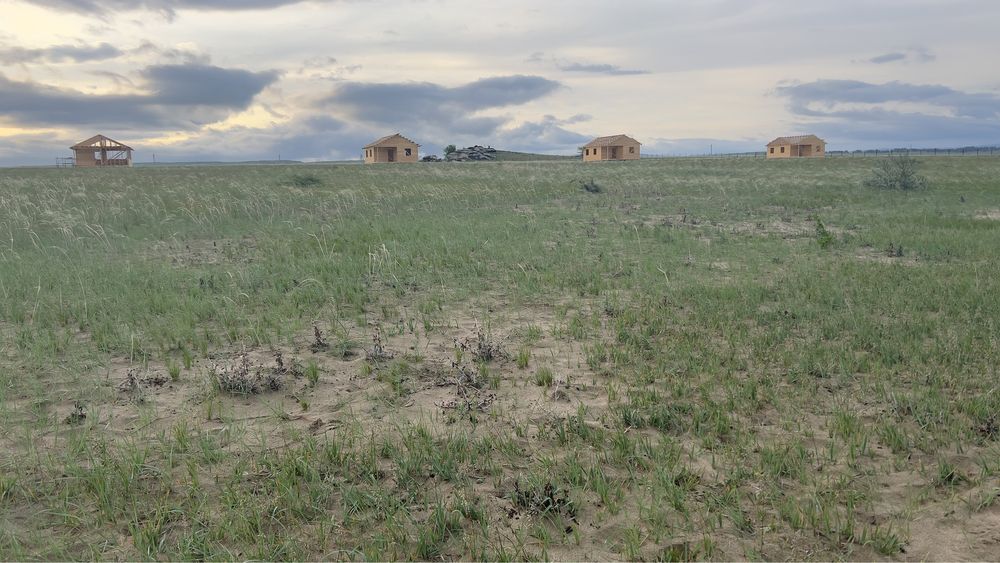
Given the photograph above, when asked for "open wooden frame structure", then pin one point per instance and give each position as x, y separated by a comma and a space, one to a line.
101, 151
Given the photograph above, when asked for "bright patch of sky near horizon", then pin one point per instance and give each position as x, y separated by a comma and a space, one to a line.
317, 79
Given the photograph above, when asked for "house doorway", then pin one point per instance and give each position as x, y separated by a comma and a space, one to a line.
390, 155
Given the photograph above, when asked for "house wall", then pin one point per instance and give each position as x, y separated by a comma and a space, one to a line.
84, 158
634, 154
775, 151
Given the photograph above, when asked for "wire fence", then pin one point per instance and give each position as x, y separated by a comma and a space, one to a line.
873, 153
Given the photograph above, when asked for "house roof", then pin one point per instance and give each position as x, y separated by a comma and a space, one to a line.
796, 140
612, 140
101, 142
386, 141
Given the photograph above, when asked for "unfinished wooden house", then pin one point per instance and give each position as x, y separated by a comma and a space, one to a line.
796, 147
391, 148
101, 151
613, 147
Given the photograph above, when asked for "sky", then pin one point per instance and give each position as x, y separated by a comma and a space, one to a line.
197, 80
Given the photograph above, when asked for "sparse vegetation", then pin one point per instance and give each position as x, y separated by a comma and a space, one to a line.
490, 362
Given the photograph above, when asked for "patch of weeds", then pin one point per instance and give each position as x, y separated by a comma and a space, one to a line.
787, 461
894, 250
242, 379
174, 370
523, 356
132, 387
895, 437
898, 173
7, 486
547, 500
948, 475
682, 551
533, 334
989, 428
983, 500
312, 374
306, 180
485, 346
882, 539
77, 416
544, 377
378, 352
468, 384
318, 343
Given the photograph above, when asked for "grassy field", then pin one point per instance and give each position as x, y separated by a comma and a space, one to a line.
696, 359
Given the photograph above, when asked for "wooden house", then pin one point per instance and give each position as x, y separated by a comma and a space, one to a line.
391, 148
613, 147
801, 146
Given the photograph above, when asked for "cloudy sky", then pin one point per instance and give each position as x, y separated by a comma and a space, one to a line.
317, 79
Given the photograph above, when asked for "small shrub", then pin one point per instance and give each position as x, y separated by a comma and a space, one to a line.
174, 370
898, 173
312, 374
591, 187
823, 236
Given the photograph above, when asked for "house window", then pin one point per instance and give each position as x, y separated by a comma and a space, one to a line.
631, 150
408, 152
819, 148
782, 149
772, 150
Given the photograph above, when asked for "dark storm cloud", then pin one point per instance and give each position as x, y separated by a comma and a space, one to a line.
545, 136
865, 112
612, 70
430, 106
887, 58
813, 97
59, 53
915, 55
203, 85
172, 54
179, 96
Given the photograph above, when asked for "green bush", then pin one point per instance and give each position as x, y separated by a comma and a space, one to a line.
897, 173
